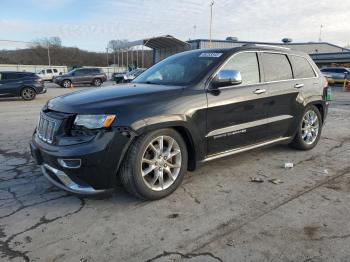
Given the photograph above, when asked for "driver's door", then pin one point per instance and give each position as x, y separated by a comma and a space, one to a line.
236, 115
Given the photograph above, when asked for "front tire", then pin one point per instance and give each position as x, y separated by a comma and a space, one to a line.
97, 82
28, 93
155, 164
309, 129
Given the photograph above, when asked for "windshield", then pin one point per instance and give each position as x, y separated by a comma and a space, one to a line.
71, 71
182, 69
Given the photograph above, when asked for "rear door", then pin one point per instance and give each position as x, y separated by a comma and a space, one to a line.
88, 75
11, 83
78, 76
4, 87
236, 114
281, 104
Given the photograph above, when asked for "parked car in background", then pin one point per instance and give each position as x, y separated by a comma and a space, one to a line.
133, 74
48, 74
22, 84
118, 77
93, 76
336, 74
192, 107
127, 77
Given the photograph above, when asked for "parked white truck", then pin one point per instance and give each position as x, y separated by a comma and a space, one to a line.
48, 74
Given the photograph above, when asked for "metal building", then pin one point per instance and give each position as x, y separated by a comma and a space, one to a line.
309, 47
323, 53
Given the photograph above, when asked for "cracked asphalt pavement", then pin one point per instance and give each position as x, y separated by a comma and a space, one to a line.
216, 215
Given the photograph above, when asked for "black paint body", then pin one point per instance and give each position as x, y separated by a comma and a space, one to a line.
199, 113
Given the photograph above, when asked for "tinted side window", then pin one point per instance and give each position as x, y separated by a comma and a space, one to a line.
49, 71
247, 64
340, 70
55, 70
301, 67
79, 72
11, 76
276, 67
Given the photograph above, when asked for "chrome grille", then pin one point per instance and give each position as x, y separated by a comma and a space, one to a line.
46, 128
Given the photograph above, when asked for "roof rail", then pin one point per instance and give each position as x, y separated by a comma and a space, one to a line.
261, 45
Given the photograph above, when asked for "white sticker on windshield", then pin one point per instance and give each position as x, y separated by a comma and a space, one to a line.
210, 54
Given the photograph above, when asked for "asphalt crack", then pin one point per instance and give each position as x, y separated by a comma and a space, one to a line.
191, 195
10, 253
229, 227
31, 205
184, 255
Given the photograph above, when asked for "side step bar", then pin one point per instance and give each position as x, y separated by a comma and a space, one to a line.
243, 149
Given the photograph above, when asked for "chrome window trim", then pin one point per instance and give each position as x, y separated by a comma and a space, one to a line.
261, 82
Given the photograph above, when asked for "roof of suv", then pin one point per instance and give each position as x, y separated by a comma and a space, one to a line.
254, 48
16, 72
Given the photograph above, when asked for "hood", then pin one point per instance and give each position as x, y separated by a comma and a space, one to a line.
109, 99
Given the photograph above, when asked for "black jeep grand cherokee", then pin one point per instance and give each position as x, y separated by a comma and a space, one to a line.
192, 107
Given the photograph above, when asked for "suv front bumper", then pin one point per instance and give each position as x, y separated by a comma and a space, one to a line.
99, 162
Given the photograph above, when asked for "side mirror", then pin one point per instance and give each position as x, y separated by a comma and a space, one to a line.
227, 78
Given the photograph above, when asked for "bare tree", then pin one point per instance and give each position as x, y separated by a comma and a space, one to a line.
117, 44
54, 41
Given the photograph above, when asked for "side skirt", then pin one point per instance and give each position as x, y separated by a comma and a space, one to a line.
246, 148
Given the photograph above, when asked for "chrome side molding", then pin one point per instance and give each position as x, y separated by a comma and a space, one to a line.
243, 149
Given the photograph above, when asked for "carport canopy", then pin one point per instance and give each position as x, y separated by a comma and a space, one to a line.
159, 42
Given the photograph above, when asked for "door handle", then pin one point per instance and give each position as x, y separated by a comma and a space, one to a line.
259, 91
299, 85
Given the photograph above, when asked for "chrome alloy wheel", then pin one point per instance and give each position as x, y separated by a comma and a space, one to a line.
66, 84
28, 94
161, 163
310, 127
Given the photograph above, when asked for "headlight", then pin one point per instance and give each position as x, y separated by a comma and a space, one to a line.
94, 121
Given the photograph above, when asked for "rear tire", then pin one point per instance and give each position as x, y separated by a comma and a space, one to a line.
66, 83
155, 164
28, 93
309, 129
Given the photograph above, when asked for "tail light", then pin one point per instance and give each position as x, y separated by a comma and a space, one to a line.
326, 83
327, 91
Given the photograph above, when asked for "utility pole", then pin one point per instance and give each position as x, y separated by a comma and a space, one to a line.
211, 22
48, 53
107, 54
320, 37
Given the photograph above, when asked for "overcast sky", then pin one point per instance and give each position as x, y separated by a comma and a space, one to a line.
90, 24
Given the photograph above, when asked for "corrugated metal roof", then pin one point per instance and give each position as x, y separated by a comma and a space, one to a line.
308, 47
332, 57
159, 42
166, 41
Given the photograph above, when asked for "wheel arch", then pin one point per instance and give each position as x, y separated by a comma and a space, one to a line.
184, 130
320, 105
26, 86
99, 78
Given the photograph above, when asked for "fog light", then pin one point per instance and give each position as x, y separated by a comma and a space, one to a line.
69, 163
